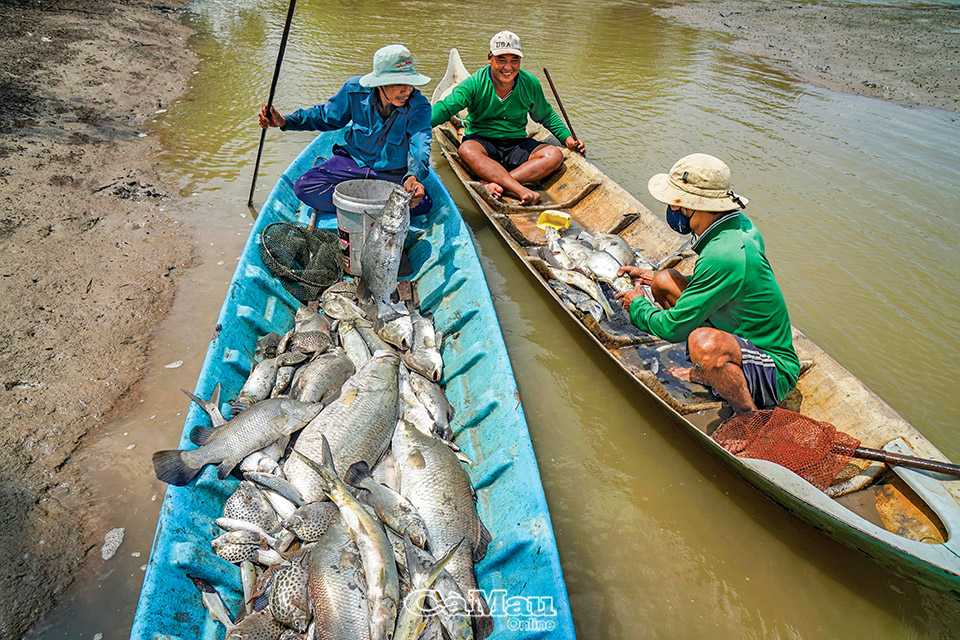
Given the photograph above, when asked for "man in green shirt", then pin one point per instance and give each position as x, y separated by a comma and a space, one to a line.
730, 311
495, 145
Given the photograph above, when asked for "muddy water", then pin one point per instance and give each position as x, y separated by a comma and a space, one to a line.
856, 200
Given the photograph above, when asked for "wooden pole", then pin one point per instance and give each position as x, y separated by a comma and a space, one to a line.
273, 88
560, 104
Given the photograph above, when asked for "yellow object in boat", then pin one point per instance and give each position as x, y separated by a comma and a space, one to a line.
554, 218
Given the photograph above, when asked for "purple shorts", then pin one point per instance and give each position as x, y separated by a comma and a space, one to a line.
315, 187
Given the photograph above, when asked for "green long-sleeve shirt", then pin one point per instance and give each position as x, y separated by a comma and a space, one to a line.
490, 117
732, 289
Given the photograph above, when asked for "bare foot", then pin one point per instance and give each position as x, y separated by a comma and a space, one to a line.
529, 197
495, 190
680, 372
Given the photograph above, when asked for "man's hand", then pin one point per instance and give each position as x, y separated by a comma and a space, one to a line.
273, 119
575, 145
638, 275
626, 297
412, 185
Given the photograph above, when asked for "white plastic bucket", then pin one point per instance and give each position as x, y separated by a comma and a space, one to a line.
358, 204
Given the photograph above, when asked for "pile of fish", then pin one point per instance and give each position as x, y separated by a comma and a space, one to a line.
355, 517
582, 270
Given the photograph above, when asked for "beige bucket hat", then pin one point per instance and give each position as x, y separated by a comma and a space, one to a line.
698, 181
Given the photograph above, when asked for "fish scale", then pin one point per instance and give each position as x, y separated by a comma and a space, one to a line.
358, 425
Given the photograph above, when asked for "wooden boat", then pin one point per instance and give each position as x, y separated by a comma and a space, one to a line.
521, 563
902, 518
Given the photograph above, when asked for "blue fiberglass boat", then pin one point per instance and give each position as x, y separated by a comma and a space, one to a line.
521, 572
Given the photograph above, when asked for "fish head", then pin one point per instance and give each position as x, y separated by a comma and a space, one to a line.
395, 215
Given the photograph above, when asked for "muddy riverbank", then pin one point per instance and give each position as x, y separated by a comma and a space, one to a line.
89, 256
904, 54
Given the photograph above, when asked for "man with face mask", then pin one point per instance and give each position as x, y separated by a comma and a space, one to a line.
387, 133
495, 145
730, 311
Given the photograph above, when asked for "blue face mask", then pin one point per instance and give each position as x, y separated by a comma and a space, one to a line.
677, 221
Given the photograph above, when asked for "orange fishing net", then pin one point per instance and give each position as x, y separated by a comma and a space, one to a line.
815, 451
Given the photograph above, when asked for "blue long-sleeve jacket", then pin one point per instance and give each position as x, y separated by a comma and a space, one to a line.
402, 141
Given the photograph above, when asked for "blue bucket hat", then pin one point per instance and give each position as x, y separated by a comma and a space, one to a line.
393, 64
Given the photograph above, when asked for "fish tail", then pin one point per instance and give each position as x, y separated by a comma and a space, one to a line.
480, 614
357, 473
171, 468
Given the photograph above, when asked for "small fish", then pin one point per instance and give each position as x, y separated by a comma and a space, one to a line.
212, 602
257, 626
394, 510
288, 594
312, 520
585, 284
353, 343
258, 384
397, 329
248, 503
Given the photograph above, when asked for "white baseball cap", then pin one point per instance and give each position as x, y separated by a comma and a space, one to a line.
505, 42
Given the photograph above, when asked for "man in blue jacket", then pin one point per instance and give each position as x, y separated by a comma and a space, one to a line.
387, 135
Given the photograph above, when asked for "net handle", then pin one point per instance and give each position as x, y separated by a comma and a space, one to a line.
907, 461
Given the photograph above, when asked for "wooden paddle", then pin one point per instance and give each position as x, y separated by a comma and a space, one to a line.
273, 88
562, 110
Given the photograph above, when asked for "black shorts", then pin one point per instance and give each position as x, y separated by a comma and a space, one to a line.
510, 152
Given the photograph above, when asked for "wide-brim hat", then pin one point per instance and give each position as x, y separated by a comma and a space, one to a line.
393, 64
700, 182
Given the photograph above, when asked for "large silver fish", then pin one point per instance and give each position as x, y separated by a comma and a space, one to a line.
358, 424
376, 555
617, 247
336, 586
434, 481
252, 430
380, 260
